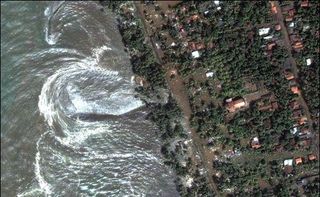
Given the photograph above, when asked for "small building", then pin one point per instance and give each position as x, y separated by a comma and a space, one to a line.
264, 31
255, 144
295, 89
233, 105
312, 157
273, 8
298, 160
304, 4
289, 19
303, 120
294, 130
297, 45
268, 37
288, 74
209, 74
309, 61
292, 24
291, 12
195, 54
271, 45
288, 162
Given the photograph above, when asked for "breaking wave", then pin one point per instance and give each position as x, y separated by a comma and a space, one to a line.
113, 157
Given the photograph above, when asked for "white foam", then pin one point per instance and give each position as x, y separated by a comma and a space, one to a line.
44, 186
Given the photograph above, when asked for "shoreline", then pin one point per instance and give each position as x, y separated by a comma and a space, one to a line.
176, 112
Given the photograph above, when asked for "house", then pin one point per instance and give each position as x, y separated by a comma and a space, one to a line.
278, 27
292, 24
295, 89
288, 74
268, 37
294, 130
309, 61
264, 31
291, 12
288, 162
273, 8
312, 157
209, 74
200, 46
298, 160
304, 4
303, 120
289, 18
255, 144
233, 105
195, 54
271, 45
297, 45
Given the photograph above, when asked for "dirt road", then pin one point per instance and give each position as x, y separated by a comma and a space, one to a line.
280, 20
180, 94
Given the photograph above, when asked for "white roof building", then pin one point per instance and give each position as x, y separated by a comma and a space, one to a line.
268, 37
294, 130
291, 24
255, 139
309, 61
216, 2
264, 31
209, 74
288, 162
195, 54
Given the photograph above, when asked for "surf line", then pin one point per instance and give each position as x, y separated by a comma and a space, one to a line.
43, 184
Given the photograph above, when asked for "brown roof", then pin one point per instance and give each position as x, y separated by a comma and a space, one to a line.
288, 75
305, 4
273, 8
271, 45
295, 89
298, 160
255, 144
312, 157
297, 45
289, 18
303, 120
278, 27
235, 104
291, 12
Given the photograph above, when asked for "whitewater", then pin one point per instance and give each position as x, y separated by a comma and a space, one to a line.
77, 68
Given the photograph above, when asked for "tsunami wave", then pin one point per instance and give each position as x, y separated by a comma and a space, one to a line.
111, 157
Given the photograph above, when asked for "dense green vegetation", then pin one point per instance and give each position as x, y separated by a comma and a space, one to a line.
235, 55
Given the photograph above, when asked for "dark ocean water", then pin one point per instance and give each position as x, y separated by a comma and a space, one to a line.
61, 61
